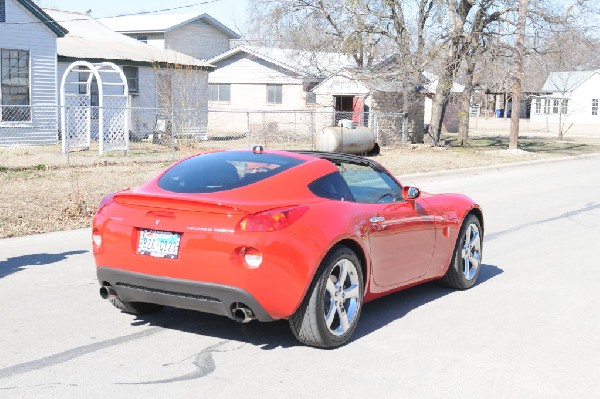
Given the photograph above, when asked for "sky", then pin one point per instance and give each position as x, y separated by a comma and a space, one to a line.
231, 13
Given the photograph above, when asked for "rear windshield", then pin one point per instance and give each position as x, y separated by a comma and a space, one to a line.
222, 171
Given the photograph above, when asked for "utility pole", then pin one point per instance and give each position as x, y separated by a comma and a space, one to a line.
517, 89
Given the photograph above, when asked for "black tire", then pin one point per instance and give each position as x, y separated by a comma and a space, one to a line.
309, 323
461, 275
134, 307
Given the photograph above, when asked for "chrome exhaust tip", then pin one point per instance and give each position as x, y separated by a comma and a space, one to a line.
106, 291
242, 313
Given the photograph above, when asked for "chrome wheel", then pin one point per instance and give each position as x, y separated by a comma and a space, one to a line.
471, 252
342, 299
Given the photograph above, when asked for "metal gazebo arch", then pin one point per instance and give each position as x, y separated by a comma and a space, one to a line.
81, 120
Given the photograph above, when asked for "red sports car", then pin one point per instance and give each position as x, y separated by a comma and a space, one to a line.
268, 235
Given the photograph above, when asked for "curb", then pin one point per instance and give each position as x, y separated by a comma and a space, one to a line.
499, 167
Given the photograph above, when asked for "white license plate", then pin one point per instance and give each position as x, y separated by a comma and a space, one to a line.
160, 244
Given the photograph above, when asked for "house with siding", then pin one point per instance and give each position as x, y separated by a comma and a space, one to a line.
158, 79
28, 36
200, 36
266, 80
569, 98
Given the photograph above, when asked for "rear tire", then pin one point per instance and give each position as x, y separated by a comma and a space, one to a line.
466, 261
134, 307
330, 311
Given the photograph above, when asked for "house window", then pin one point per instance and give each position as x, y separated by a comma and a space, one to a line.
2, 11
555, 106
219, 92
274, 95
538, 106
83, 77
311, 98
15, 85
546, 106
131, 73
564, 106
594, 106
164, 92
142, 38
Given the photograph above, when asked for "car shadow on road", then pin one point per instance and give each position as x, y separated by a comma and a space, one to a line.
277, 334
13, 265
381, 312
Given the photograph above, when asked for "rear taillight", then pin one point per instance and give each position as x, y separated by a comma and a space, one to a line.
96, 239
105, 201
273, 220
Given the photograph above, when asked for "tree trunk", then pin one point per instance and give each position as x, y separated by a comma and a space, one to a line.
438, 109
516, 97
465, 102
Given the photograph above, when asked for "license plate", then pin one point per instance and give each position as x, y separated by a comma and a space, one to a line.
160, 244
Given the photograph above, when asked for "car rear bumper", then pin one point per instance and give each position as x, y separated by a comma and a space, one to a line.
204, 297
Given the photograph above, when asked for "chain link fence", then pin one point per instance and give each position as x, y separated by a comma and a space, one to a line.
27, 125
167, 134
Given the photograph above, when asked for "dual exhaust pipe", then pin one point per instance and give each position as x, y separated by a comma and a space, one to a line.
240, 312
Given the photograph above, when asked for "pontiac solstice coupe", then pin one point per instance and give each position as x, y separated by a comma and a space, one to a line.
268, 235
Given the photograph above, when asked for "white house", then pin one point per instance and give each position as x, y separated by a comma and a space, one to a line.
157, 78
570, 99
267, 80
200, 36
28, 114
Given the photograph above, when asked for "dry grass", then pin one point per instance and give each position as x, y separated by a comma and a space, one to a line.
39, 192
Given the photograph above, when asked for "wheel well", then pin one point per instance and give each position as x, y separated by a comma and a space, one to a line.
353, 245
479, 215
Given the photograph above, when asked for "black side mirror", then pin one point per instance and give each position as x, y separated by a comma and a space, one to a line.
410, 193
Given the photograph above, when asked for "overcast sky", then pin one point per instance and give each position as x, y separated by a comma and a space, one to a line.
231, 13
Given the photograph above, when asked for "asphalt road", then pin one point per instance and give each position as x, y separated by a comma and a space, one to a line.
529, 329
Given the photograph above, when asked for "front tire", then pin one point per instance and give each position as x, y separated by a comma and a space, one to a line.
330, 311
466, 261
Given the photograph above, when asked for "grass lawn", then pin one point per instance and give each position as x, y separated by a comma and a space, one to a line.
40, 192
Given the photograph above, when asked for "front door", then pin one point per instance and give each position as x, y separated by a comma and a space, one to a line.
401, 233
402, 241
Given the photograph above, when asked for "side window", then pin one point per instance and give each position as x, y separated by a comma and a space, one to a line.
370, 186
331, 186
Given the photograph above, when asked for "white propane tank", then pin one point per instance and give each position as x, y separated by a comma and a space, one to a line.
341, 139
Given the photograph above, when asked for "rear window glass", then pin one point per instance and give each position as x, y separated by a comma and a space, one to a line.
222, 171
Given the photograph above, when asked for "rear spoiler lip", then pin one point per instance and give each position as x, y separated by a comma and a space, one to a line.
176, 203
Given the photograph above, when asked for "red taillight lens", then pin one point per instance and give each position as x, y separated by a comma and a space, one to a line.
272, 220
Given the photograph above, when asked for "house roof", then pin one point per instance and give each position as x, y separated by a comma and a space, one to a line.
37, 12
380, 82
303, 63
431, 87
156, 23
89, 39
566, 81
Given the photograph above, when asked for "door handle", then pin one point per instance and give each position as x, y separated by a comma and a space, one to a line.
377, 219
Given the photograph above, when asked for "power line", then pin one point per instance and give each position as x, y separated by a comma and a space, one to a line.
117, 16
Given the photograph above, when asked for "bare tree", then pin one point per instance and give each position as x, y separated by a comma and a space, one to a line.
516, 92
469, 22
368, 30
